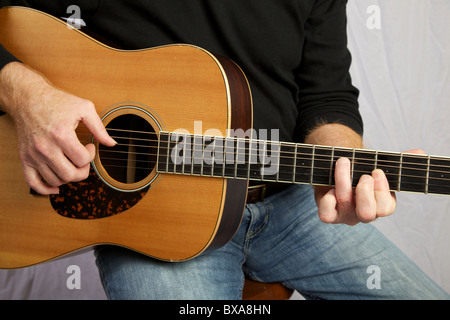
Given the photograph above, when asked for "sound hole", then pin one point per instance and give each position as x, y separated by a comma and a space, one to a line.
134, 156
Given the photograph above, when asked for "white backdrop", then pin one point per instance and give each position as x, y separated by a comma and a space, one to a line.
401, 64
402, 68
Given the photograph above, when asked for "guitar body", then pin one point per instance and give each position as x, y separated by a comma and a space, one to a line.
166, 216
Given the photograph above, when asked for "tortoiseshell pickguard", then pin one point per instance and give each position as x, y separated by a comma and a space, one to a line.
92, 199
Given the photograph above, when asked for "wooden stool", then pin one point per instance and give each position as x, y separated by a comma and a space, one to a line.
265, 291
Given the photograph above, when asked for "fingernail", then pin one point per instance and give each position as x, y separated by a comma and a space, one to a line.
344, 161
366, 178
377, 174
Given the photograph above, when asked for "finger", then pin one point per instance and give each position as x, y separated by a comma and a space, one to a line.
366, 206
37, 162
95, 126
384, 198
344, 189
56, 168
59, 164
416, 151
34, 180
78, 154
66, 174
49, 176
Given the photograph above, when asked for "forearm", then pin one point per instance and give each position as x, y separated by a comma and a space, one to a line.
5, 59
19, 86
334, 135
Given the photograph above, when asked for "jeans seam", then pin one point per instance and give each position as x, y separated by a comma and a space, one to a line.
267, 209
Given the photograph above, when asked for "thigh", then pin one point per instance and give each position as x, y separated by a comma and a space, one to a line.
331, 261
129, 275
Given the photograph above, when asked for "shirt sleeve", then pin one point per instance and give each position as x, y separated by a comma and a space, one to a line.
326, 92
6, 57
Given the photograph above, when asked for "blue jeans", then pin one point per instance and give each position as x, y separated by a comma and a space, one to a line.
280, 240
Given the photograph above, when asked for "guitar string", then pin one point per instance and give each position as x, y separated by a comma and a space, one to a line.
358, 151
241, 172
290, 168
285, 144
318, 179
318, 157
356, 163
281, 165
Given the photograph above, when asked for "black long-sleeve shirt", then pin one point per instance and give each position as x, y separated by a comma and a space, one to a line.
294, 52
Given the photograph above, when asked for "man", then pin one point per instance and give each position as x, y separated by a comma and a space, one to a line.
295, 57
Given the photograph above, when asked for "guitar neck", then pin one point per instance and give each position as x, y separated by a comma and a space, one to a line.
269, 161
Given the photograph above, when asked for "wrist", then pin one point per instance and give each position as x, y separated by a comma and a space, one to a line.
334, 134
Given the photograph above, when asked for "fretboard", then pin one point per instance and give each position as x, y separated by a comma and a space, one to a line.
269, 161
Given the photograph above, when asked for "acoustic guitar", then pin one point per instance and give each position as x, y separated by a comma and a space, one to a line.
175, 186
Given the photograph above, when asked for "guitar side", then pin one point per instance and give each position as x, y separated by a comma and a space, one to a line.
179, 217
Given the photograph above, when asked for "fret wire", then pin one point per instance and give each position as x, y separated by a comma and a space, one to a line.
312, 164
278, 162
352, 169
203, 157
376, 159
264, 159
236, 159
400, 173
176, 153
295, 163
192, 152
331, 166
212, 162
168, 151
158, 153
249, 158
223, 157
428, 174
189, 151
184, 157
